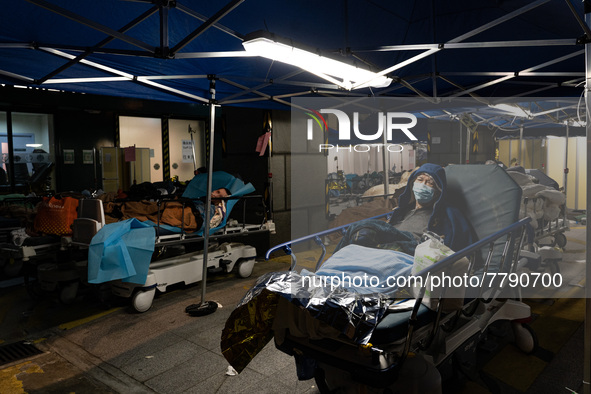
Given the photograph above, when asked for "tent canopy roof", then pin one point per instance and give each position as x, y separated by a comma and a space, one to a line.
172, 50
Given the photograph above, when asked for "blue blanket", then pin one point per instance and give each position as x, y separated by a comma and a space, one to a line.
365, 270
353, 310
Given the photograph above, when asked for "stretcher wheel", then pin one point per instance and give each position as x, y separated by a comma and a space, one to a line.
525, 338
560, 240
68, 293
245, 268
142, 300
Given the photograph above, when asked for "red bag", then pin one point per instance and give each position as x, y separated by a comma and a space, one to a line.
56, 215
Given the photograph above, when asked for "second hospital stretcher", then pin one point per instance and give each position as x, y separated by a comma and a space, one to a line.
137, 258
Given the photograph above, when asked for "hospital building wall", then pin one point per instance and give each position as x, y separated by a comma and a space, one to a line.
80, 130
529, 153
280, 168
273, 173
270, 173
307, 179
83, 122
451, 142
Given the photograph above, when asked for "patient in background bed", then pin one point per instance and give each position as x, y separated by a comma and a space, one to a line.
217, 207
171, 213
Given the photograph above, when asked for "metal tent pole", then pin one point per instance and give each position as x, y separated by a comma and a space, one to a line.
386, 165
468, 137
461, 145
520, 153
565, 216
587, 329
208, 201
565, 179
207, 307
269, 124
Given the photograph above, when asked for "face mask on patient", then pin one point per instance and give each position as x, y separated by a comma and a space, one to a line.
422, 192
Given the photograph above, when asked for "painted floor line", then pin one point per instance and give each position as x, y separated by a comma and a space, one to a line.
577, 241
79, 322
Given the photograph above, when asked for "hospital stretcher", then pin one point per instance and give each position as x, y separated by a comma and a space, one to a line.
186, 268
44, 259
553, 229
405, 345
545, 204
17, 248
166, 262
547, 240
49, 263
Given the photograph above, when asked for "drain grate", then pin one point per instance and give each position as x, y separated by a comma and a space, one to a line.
17, 351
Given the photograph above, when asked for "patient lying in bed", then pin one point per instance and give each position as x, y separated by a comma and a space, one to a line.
172, 213
217, 209
341, 294
422, 207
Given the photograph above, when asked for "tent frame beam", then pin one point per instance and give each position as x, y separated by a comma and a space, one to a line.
104, 42
206, 25
460, 38
203, 18
580, 21
516, 74
92, 24
472, 45
131, 77
164, 41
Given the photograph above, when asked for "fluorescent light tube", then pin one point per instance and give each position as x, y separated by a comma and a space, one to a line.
514, 110
321, 66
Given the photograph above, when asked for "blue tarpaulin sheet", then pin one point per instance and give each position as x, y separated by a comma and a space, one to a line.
121, 250
197, 189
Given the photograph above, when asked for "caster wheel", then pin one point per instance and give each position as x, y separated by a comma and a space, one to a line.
142, 300
245, 268
68, 293
525, 338
560, 240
